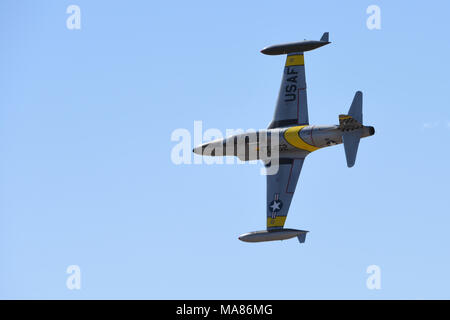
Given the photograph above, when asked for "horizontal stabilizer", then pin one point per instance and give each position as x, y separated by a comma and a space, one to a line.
352, 128
351, 143
355, 110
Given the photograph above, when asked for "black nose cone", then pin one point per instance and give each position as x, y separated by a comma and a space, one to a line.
371, 131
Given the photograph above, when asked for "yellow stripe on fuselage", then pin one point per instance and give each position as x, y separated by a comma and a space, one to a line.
293, 137
277, 222
295, 60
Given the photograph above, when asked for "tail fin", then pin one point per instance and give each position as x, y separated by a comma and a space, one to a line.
351, 125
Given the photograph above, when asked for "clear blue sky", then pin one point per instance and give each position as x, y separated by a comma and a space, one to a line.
87, 179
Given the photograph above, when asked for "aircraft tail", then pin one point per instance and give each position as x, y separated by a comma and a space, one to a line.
351, 125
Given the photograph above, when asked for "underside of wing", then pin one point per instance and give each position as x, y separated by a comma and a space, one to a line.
292, 106
280, 190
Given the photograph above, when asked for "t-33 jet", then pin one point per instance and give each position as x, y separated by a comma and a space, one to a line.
284, 145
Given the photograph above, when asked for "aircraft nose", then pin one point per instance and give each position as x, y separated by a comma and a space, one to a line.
371, 130
198, 150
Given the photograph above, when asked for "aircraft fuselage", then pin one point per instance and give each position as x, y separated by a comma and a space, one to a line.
296, 141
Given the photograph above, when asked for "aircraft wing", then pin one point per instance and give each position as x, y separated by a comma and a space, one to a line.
292, 106
280, 190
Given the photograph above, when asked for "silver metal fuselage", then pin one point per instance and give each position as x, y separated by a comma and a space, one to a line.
296, 141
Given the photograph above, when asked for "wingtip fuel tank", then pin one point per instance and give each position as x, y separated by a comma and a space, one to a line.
272, 235
301, 46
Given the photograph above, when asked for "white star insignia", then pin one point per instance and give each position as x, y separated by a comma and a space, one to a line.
275, 205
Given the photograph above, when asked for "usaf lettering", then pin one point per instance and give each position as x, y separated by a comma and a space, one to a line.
291, 87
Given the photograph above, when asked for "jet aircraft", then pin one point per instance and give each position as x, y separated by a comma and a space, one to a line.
289, 139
